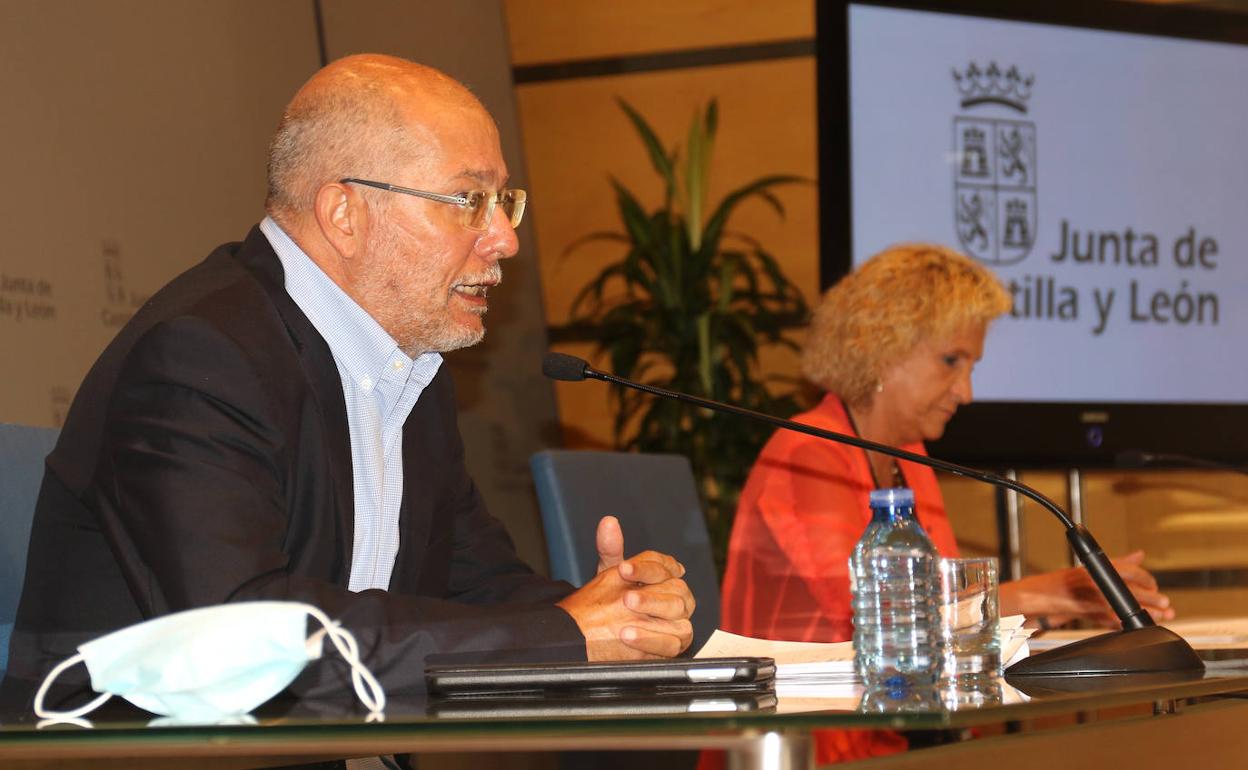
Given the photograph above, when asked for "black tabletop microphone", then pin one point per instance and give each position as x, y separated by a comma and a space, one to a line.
1140, 647
1138, 458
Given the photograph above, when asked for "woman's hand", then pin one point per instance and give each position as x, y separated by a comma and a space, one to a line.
1063, 595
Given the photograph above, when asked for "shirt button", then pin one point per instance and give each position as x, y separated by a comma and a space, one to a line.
366, 383
398, 365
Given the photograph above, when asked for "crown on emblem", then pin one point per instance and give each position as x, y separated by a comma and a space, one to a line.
992, 86
1015, 206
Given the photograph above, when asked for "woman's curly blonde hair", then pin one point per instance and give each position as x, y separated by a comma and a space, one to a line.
873, 317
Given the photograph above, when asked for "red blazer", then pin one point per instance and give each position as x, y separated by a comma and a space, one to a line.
803, 509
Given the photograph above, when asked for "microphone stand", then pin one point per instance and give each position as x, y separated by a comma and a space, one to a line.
1140, 647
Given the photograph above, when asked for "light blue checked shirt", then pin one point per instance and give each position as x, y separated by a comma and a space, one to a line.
380, 384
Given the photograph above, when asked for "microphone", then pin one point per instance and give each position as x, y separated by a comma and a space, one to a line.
1137, 458
561, 366
1140, 647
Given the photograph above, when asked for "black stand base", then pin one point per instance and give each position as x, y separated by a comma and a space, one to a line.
1147, 650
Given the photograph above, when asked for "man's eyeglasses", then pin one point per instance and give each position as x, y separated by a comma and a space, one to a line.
477, 205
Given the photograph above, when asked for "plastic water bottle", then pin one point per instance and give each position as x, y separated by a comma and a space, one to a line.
895, 583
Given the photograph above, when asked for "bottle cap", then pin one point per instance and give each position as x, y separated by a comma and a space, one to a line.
891, 498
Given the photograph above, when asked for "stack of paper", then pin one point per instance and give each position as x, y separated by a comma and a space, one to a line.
819, 667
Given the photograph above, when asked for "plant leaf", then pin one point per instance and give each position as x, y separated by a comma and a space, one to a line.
658, 156
599, 235
695, 181
715, 224
634, 217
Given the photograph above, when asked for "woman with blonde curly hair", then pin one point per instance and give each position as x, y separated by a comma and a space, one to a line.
893, 345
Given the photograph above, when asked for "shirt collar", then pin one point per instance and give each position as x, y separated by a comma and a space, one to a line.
361, 347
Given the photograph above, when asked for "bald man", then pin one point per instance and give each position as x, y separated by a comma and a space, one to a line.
275, 423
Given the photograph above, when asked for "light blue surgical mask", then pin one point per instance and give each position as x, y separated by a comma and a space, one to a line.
212, 664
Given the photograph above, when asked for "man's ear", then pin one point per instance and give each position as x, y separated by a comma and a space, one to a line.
342, 217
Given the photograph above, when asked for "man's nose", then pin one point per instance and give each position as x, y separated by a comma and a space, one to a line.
499, 241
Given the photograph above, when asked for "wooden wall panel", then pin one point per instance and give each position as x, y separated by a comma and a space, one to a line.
576, 136
1186, 523
560, 30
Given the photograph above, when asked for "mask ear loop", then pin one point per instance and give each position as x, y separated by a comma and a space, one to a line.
53, 717
367, 688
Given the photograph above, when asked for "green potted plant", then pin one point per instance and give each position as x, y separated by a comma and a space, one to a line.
687, 307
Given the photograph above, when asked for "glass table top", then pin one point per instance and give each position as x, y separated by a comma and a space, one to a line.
995, 702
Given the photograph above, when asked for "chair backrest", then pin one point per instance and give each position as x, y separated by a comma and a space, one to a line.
23, 450
656, 500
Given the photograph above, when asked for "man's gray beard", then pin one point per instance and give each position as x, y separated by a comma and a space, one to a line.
434, 335
445, 337
445, 340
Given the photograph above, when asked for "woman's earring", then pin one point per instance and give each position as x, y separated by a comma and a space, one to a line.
879, 387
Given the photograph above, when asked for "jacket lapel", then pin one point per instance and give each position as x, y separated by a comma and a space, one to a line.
322, 376
420, 471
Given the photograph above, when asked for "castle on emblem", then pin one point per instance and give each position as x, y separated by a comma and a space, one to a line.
1017, 231
974, 156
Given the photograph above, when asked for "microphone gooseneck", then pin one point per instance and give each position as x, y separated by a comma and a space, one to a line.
1138, 458
1133, 458
1133, 617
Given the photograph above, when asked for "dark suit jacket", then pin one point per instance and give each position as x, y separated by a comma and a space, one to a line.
206, 459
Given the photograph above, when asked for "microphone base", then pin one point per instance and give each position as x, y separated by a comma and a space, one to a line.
1147, 650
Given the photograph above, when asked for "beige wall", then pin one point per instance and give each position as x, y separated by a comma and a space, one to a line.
134, 141
575, 137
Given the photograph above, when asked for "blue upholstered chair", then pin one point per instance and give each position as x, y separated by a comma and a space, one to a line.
654, 497
22, 453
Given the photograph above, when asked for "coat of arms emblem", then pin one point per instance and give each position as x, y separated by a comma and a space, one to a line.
994, 174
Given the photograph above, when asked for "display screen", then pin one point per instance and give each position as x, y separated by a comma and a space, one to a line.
1097, 171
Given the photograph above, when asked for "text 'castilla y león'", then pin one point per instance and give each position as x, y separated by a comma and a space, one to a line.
1144, 301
